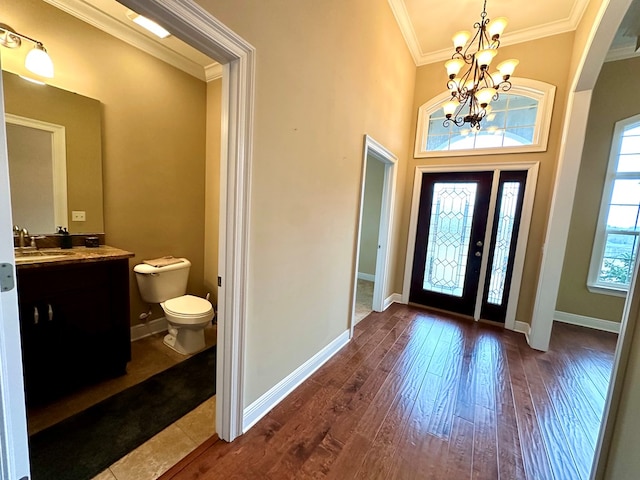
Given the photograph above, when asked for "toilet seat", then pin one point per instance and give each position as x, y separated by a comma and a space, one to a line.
188, 307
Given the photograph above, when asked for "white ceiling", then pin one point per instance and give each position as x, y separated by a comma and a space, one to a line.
428, 25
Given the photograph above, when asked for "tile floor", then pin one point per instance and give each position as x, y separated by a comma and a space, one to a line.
148, 357
364, 299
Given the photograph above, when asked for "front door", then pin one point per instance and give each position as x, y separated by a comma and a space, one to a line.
451, 227
450, 271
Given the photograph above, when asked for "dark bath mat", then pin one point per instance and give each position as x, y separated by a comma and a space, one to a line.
87, 443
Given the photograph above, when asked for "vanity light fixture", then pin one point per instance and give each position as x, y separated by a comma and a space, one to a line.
37, 60
148, 24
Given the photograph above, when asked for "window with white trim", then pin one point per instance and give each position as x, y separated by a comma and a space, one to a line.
519, 122
616, 242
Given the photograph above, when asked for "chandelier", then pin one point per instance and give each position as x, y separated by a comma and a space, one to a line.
473, 90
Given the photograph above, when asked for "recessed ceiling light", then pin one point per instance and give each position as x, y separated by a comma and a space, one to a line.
149, 25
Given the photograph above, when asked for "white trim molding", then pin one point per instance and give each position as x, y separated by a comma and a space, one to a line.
522, 327
374, 150
58, 163
589, 322
391, 299
149, 328
258, 409
108, 24
523, 232
567, 24
366, 276
544, 93
193, 24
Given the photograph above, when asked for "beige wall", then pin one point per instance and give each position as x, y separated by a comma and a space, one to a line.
323, 80
372, 203
607, 108
431, 81
81, 116
153, 136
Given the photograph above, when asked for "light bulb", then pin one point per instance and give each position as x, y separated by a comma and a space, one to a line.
39, 62
485, 56
453, 67
484, 96
450, 107
460, 39
507, 67
496, 27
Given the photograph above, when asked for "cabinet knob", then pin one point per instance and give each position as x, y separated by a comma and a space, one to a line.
36, 315
50, 312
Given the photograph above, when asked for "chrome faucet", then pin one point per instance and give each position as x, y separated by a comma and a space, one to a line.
21, 233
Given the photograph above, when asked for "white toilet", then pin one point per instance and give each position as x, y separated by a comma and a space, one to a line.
186, 315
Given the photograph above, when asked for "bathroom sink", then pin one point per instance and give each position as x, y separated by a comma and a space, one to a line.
30, 256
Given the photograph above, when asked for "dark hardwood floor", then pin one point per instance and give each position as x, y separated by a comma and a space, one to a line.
420, 395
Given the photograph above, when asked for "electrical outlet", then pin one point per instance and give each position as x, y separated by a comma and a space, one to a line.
78, 216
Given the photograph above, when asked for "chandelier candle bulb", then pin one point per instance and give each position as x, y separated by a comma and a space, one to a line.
507, 68
496, 27
453, 67
484, 96
460, 39
450, 107
485, 57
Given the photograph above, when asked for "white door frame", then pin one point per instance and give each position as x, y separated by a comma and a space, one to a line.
58, 162
14, 452
375, 149
194, 25
603, 30
523, 233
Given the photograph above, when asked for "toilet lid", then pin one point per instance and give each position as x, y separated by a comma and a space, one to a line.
188, 305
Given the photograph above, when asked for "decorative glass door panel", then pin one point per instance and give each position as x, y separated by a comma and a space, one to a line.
451, 226
503, 245
452, 211
450, 236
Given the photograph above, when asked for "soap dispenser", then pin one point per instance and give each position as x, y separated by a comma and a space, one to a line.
65, 238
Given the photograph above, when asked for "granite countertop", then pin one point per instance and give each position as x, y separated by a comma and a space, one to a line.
50, 256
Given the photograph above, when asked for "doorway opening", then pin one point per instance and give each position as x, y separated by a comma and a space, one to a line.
374, 228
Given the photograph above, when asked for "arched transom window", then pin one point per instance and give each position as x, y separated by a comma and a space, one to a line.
519, 122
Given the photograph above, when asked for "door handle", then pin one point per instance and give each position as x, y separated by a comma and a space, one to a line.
50, 312
36, 315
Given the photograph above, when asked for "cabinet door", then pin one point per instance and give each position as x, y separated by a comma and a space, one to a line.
75, 325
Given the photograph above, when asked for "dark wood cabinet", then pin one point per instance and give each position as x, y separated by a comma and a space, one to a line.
74, 321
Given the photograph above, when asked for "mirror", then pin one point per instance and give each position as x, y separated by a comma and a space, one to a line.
65, 176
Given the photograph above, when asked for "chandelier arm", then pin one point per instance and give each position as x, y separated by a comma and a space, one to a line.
476, 77
505, 86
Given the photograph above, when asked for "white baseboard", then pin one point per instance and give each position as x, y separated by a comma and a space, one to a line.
589, 322
523, 327
393, 298
151, 327
366, 276
275, 395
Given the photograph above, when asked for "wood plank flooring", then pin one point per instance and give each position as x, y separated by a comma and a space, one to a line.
421, 395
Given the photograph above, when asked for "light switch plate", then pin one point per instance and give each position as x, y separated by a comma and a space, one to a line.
78, 216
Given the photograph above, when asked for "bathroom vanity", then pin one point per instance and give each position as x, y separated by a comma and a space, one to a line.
74, 318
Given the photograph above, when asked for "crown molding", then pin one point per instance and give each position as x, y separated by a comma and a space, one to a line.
399, 10
568, 24
93, 16
621, 53
212, 72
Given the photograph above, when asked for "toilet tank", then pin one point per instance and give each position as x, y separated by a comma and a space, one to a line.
157, 284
